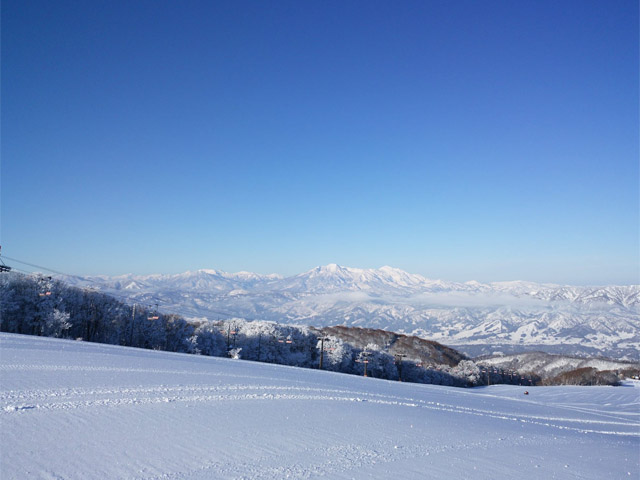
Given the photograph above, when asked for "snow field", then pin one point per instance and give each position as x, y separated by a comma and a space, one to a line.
76, 410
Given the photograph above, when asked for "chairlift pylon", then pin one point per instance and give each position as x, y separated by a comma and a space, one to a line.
3, 267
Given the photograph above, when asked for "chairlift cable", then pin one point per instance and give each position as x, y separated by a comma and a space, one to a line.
40, 266
80, 277
20, 271
124, 298
85, 279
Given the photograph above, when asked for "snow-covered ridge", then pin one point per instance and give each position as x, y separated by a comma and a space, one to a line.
385, 280
601, 320
548, 366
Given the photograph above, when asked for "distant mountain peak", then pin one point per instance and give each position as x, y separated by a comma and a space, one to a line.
208, 271
330, 268
388, 268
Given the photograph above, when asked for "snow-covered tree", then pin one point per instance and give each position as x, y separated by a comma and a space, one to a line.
207, 340
338, 355
381, 364
55, 323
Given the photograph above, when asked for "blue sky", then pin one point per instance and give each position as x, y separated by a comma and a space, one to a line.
460, 140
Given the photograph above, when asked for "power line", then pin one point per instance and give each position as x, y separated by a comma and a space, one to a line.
22, 272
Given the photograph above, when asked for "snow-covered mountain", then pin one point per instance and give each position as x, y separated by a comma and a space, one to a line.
475, 317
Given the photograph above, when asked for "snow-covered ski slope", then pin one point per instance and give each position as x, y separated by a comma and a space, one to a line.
74, 410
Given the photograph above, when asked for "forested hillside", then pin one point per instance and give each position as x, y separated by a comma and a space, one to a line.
564, 369
38, 305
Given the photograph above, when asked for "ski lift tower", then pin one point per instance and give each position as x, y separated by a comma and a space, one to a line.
364, 359
322, 339
398, 358
3, 267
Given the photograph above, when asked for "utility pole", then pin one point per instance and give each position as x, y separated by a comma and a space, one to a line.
133, 321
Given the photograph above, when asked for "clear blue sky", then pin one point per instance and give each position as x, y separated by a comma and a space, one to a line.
461, 140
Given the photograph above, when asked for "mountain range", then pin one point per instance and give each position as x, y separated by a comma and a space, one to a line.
476, 318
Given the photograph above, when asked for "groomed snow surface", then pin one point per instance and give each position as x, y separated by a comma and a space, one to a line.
74, 410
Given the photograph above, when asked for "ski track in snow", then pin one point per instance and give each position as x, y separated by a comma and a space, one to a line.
76, 398
334, 459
